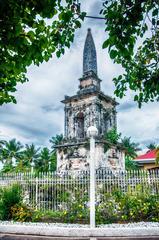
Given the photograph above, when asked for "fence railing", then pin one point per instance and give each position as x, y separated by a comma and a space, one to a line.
59, 190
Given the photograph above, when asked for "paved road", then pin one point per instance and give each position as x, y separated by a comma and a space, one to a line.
30, 237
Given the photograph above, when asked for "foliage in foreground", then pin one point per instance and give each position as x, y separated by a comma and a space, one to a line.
116, 207
30, 31
9, 197
12, 206
135, 206
127, 22
26, 37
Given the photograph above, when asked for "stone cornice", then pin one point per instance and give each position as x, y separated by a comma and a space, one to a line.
90, 93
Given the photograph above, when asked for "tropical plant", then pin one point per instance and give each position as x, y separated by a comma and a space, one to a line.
11, 151
48, 216
9, 196
26, 37
2, 142
30, 154
112, 138
56, 140
126, 22
21, 213
53, 161
130, 164
43, 161
131, 149
152, 146
128, 207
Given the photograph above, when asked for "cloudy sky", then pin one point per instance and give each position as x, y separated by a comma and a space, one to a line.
39, 114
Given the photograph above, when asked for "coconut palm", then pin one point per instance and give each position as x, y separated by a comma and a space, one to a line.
2, 142
30, 154
11, 150
152, 146
53, 161
112, 136
42, 162
131, 149
56, 140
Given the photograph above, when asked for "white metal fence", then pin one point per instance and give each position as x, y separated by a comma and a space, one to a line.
59, 190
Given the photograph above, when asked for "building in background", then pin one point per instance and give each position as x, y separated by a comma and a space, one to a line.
89, 107
147, 161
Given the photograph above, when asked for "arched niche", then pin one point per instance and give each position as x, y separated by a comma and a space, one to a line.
80, 125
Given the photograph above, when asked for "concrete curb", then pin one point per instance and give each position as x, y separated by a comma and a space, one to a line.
78, 232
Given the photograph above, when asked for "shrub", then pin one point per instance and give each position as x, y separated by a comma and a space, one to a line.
47, 216
128, 207
21, 213
8, 198
78, 210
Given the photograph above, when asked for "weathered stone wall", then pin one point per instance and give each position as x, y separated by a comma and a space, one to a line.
76, 157
95, 112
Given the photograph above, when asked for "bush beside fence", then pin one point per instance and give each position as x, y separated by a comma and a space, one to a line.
64, 196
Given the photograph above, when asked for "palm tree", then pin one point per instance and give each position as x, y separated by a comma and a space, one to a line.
130, 152
112, 136
30, 154
11, 150
2, 142
42, 163
131, 147
53, 161
152, 146
56, 140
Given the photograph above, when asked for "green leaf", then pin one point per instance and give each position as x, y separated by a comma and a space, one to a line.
136, 98
105, 44
46, 58
113, 54
153, 21
78, 24
31, 35
82, 15
120, 77
58, 54
155, 12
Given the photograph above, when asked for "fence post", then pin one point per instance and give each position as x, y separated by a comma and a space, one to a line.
36, 192
92, 133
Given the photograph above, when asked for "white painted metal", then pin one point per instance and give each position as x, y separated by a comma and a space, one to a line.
92, 183
92, 133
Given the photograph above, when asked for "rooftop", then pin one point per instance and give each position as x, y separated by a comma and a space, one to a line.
149, 155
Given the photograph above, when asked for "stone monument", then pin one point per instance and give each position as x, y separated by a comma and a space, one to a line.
89, 107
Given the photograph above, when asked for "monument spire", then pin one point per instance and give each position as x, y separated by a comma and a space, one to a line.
89, 55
